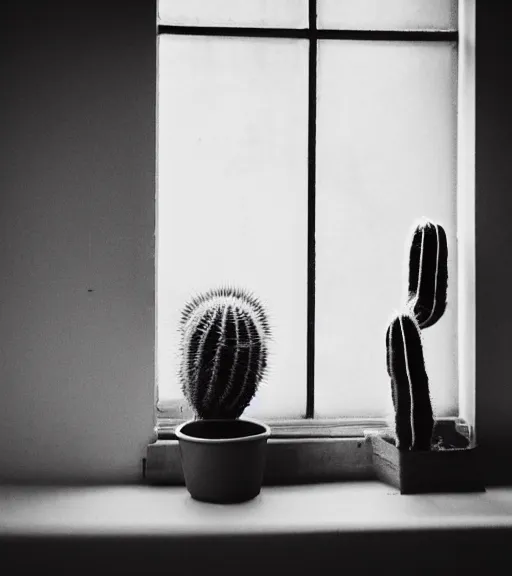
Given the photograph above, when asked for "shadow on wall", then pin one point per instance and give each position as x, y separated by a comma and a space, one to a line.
493, 229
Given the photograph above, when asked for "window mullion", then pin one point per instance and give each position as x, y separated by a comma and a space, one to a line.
313, 48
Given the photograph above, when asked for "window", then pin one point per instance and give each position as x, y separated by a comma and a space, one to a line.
298, 143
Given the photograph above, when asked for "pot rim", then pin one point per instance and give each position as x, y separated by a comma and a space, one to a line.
253, 437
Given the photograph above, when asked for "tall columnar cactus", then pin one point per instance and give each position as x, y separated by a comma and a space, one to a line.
428, 273
224, 343
414, 421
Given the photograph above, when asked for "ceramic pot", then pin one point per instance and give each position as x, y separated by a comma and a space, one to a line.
223, 460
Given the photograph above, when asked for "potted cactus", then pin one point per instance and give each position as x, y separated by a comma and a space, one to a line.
224, 344
413, 460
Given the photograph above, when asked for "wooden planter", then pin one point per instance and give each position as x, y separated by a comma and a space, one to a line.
422, 472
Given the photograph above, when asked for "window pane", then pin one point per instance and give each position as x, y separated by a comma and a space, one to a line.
251, 13
388, 14
232, 204
386, 156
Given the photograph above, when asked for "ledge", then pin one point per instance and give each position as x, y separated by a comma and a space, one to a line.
136, 529
170, 511
288, 461
299, 453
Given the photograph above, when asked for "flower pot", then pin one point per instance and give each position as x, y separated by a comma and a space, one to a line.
424, 471
223, 460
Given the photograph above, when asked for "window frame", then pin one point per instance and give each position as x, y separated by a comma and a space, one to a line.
343, 436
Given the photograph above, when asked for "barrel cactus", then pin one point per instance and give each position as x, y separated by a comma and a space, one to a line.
414, 421
224, 347
428, 273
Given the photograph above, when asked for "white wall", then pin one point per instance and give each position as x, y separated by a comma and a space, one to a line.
76, 214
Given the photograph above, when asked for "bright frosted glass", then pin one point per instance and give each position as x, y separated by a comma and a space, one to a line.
232, 195
251, 13
386, 156
388, 14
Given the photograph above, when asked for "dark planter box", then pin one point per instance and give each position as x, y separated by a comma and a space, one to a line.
422, 472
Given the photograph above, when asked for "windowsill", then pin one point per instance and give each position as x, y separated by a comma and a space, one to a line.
170, 511
138, 529
298, 452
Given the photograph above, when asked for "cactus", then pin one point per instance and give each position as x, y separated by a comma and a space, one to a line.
428, 273
224, 336
414, 420
426, 304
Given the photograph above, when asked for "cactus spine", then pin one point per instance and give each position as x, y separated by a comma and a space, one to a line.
224, 338
414, 420
428, 273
